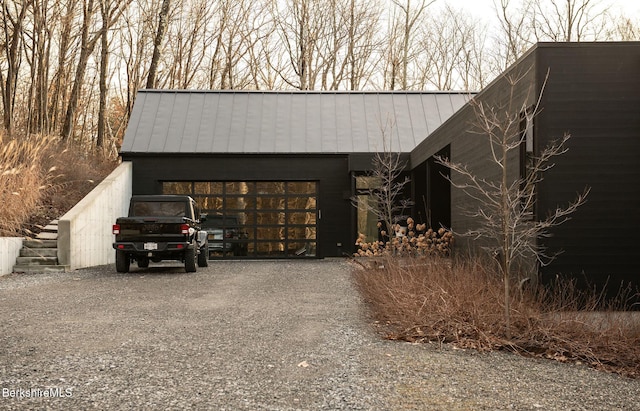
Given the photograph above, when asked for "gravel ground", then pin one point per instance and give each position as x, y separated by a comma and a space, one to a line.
252, 335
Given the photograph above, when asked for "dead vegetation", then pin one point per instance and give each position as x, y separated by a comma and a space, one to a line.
461, 303
41, 179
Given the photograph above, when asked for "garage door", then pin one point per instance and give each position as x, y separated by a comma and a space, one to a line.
256, 219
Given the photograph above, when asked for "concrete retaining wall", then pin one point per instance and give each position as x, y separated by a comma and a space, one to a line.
9, 251
84, 233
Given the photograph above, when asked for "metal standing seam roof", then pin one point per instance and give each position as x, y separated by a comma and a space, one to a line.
274, 122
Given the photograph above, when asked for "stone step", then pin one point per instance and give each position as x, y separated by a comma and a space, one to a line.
34, 269
30, 261
51, 228
38, 252
36, 243
45, 235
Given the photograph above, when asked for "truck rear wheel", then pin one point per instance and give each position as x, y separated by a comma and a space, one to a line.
122, 262
190, 260
203, 258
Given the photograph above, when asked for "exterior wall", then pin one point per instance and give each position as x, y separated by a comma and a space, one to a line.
472, 149
593, 94
84, 233
331, 171
9, 251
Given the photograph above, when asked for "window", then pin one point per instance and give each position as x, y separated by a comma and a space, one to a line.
159, 209
527, 184
367, 219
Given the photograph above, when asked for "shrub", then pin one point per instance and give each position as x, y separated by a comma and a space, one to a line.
460, 302
415, 241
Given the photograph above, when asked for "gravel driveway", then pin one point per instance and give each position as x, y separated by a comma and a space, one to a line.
252, 335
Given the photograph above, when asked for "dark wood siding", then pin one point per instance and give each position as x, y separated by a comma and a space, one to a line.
593, 94
468, 147
331, 172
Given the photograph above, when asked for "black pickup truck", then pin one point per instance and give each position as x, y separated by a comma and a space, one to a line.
160, 227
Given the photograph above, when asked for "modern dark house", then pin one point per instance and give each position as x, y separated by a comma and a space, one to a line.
283, 165
593, 93
286, 164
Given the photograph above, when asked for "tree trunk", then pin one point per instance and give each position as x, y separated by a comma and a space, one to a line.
157, 43
61, 78
86, 48
11, 49
104, 63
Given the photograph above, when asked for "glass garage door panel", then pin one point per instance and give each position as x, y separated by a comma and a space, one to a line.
258, 219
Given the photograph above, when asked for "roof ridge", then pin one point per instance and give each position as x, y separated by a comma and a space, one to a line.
311, 92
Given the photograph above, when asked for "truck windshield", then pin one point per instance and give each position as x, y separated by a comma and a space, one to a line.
158, 209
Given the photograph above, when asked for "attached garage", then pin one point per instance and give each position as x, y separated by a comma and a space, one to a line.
274, 171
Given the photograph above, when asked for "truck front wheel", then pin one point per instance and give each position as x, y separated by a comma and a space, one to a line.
122, 262
190, 260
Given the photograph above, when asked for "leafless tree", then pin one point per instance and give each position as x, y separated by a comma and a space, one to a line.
88, 39
401, 50
110, 10
503, 205
53, 75
87, 44
134, 49
13, 16
386, 193
187, 43
327, 45
239, 38
624, 29
301, 25
237, 32
526, 22
61, 82
516, 36
361, 20
264, 58
570, 20
476, 72
163, 22
446, 58
37, 53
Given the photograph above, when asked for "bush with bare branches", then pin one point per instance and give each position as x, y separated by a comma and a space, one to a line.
444, 301
501, 205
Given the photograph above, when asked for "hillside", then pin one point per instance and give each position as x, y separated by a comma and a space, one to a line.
41, 179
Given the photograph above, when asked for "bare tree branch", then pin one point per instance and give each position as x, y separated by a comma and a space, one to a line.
503, 206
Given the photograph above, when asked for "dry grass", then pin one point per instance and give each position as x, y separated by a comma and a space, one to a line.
433, 300
22, 180
41, 179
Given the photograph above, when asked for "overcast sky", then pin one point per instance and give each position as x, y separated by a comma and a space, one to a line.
485, 8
